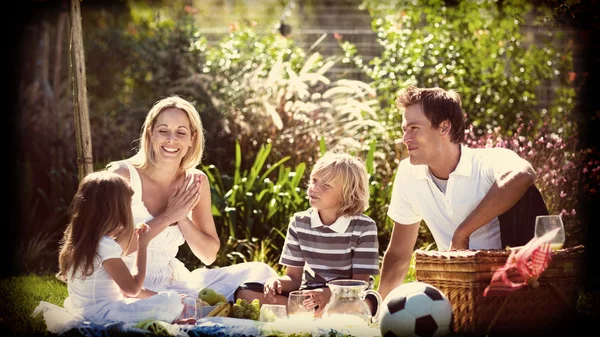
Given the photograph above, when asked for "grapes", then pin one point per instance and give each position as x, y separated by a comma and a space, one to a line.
244, 309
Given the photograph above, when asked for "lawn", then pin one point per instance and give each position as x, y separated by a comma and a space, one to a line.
20, 295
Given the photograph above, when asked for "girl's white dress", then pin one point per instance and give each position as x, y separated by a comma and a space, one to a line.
98, 298
165, 272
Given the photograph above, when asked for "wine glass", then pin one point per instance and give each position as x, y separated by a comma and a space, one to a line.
272, 312
296, 306
546, 223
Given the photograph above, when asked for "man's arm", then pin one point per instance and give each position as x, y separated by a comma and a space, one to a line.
396, 258
511, 184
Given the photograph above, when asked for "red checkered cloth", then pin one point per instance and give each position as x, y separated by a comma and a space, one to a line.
523, 266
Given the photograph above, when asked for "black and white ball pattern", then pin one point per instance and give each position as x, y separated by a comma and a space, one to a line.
415, 309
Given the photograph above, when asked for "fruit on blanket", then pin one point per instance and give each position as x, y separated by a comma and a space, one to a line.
200, 303
209, 295
144, 324
225, 312
221, 298
215, 312
157, 328
242, 309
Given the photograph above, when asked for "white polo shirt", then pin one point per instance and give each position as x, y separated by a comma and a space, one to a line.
416, 197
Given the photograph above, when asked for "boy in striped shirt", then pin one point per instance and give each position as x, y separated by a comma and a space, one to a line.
332, 240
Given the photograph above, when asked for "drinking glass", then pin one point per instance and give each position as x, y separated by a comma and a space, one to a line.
189, 308
272, 312
295, 306
546, 223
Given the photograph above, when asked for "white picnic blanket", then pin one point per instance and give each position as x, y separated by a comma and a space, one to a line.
60, 321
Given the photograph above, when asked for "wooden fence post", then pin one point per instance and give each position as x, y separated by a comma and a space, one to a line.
80, 102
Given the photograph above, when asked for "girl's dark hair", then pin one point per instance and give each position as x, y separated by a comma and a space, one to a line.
101, 206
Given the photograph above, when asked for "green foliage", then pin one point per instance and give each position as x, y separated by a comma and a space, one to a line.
252, 208
270, 91
155, 56
43, 213
46, 170
476, 48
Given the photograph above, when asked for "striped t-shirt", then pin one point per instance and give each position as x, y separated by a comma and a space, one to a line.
346, 247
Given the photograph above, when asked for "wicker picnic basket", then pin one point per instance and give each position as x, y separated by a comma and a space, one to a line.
463, 276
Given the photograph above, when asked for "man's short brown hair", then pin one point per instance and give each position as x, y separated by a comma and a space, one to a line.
438, 105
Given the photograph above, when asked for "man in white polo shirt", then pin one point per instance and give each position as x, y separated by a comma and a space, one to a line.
459, 192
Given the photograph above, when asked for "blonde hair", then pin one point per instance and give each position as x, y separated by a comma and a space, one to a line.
101, 206
145, 156
351, 173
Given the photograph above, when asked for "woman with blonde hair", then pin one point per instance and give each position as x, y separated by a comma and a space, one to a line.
173, 197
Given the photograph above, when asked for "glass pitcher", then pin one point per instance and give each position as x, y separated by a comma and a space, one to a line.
347, 298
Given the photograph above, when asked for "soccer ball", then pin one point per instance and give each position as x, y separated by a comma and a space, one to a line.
415, 309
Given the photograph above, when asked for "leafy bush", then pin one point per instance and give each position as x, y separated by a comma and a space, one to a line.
252, 208
271, 92
46, 183
477, 48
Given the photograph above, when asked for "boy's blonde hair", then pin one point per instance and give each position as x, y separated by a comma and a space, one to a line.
352, 174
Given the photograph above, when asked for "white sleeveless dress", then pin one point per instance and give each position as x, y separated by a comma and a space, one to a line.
98, 298
165, 272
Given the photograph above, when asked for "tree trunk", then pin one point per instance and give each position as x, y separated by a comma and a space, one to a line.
80, 103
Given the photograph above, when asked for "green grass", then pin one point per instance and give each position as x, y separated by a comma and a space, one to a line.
18, 298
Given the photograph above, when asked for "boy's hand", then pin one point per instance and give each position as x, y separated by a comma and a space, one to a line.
272, 287
318, 297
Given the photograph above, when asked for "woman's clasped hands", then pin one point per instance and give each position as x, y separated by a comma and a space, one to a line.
184, 197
